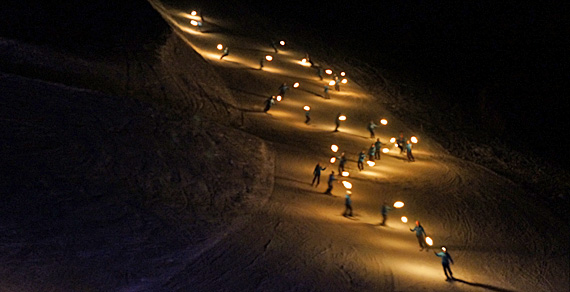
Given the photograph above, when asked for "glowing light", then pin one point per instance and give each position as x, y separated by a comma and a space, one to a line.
332, 82
342, 118
220, 47
194, 13
392, 140
398, 204
296, 84
269, 58
385, 150
328, 71
429, 241
194, 22
333, 159
307, 108
384, 122
342, 73
304, 61
334, 148
347, 185
414, 139
443, 248
282, 43
344, 81
278, 98
404, 219
345, 173
370, 163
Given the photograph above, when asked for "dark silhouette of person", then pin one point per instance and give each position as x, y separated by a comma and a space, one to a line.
445, 260
330, 182
384, 211
401, 142
337, 122
225, 52
317, 174
378, 146
371, 126
361, 157
420, 234
409, 151
268, 103
347, 204
341, 163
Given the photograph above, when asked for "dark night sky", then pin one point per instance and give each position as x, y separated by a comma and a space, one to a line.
512, 52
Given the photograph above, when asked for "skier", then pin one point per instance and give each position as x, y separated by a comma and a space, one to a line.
420, 234
331, 180
371, 152
307, 116
274, 46
320, 72
445, 260
384, 211
371, 126
317, 174
401, 142
347, 204
361, 157
337, 122
268, 103
342, 162
409, 151
378, 146
282, 89
337, 84
225, 52
327, 96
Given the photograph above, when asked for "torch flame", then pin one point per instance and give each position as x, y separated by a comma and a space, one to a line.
385, 150
371, 163
278, 98
193, 13
282, 43
333, 159
342, 73
429, 241
328, 71
334, 148
398, 204
392, 140
307, 108
345, 173
296, 84
220, 47
404, 219
342, 118
269, 58
384, 122
414, 139
344, 81
346, 184
194, 22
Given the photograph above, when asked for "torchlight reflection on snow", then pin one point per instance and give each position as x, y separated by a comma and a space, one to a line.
332, 82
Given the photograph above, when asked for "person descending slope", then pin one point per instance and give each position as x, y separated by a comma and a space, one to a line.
420, 234
361, 157
341, 163
317, 174
347, 204
378, 146
401, 142
445, 260
331, 181
409, 151
371, 152
268, 103
225, 52
282, 89
371, 126
384, 211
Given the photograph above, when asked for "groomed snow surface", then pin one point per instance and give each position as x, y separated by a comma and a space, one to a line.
108, 193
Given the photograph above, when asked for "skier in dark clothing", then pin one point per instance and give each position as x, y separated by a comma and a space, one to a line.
320, 72
347, 204
401, 142
409, 151
445, 260
225, 52
317, 174
420, 234
307, 116
282, 89
327, 96
371, 152
384, 211
371, 126
377, 145
268, 103
361, 157
341, 163
331, 180
337, 122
